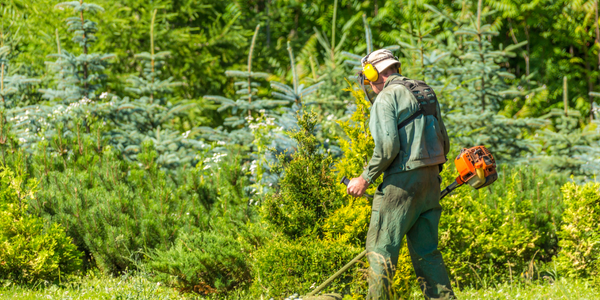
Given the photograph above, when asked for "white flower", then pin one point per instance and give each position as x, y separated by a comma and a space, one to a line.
103, 95
330, 117
221, 143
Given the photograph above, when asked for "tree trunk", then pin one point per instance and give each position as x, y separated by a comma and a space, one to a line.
588, 69
528, 51
268, 23
565, 95
597, 38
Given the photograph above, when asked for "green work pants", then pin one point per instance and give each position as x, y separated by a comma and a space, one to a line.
407, 203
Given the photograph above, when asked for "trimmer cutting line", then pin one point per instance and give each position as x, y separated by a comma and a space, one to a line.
476, 167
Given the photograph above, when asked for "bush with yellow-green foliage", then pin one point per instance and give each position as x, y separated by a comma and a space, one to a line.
31, 250
283, 266
298, 255
580, 232
308, 191
349, 224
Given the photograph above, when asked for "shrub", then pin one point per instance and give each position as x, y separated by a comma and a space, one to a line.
30, 250
350, 223
490, 232
308, 191
580, 232
284, 266
205, 262
115, 210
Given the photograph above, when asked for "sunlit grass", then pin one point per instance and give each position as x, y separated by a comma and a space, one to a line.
93, 287
561, 289
128, 286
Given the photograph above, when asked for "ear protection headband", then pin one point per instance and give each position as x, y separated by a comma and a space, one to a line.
370, 72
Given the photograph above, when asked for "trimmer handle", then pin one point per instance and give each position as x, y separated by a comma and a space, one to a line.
345, 181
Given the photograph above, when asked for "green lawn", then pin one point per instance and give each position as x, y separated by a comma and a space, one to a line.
137, 287
561, 289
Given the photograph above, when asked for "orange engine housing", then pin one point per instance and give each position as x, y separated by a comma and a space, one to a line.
476, 166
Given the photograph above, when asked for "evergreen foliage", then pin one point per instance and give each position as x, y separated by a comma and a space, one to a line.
123, 165
31, 250
283, 267
477, 86
148, 117
204, 262
114, 211
579, 237
350, 222
308, 192
79, 76
242, 108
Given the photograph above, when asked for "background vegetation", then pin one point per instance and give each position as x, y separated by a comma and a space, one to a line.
193, 149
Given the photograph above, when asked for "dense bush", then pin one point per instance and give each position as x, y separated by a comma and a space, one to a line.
31, 250
491, 232
308, 191
579, 234
283, 267
113, 209
203, 262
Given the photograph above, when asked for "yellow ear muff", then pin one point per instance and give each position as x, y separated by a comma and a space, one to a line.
370, 72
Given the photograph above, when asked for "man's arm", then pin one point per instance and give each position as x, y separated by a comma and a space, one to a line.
446, 139
384, 128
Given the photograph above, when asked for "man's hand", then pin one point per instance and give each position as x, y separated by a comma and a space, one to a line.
357, 186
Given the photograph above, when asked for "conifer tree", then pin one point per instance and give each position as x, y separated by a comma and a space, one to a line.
147, 117
476, 85
78, 76
242, 109
12, 94
271, 132
308, 192
565, 145
71, 110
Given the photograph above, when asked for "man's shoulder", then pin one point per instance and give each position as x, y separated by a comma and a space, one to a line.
395, 93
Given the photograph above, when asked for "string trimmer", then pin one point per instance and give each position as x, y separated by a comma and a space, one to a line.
476, 167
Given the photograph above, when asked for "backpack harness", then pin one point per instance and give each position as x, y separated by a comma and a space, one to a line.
425, 96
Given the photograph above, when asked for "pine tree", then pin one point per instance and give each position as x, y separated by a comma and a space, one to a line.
71, 111
79, 76
565, 145
12, 94
244, 107
475, 86
147, 117
307, 192
269, 131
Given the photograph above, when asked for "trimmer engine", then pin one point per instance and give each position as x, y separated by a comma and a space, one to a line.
476, 167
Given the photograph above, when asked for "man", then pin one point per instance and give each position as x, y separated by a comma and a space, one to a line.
407, 202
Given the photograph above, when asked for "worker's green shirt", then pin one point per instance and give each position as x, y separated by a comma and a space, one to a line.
422, 142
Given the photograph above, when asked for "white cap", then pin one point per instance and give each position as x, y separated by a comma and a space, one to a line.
380, 59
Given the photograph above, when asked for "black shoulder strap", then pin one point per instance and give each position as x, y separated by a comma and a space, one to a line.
411, 118
426, 99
